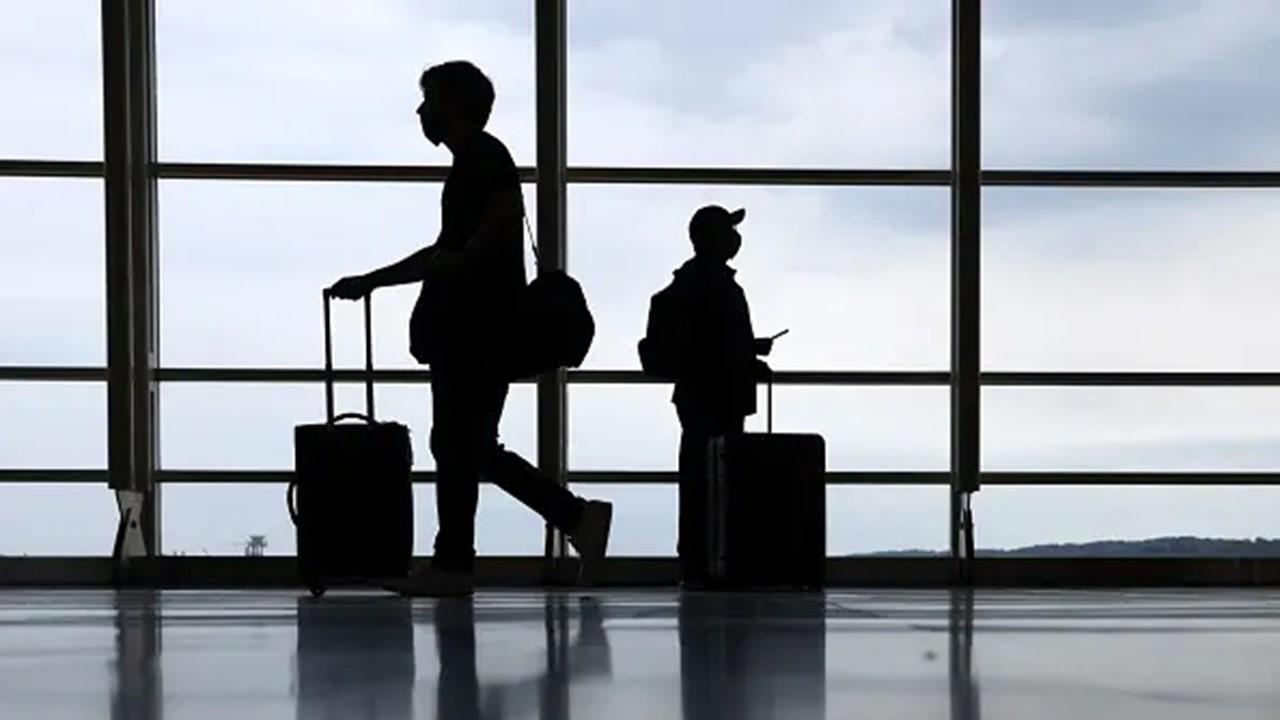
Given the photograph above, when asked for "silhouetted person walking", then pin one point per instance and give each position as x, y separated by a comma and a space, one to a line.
472, 280
700, 336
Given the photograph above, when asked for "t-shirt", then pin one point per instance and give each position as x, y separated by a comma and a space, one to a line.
464, 317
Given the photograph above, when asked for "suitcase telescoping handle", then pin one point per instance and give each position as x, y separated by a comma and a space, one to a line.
368, 362
768, 402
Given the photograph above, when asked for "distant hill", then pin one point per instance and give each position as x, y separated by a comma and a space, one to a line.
1179, 546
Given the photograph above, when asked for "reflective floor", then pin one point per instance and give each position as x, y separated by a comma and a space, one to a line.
630, 654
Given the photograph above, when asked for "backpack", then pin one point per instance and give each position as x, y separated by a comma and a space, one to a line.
554, 327
661, 347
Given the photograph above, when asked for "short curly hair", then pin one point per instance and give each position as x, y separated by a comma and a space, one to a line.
464, 85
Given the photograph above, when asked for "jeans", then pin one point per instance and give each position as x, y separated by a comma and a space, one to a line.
464, 441
697, 431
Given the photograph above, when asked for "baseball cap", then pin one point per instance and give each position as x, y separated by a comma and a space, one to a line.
710, 218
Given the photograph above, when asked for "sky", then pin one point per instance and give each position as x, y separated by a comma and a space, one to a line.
1073, 279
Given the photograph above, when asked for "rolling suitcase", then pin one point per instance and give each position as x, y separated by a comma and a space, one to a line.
351, 498
767, 499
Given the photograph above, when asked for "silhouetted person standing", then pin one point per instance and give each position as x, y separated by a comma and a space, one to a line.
472, 279
711, 356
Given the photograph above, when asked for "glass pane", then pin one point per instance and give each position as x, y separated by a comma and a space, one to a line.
307, 81
1130, 429
1177, 521
52, 272
503, 525
219, 520
622, 427
244, 426
52, 80
860, 275
867, 428
886, 519
644, 518
242, 265
1104, 84
813, 83
57, 519
54, 425
1130, 279
634, 427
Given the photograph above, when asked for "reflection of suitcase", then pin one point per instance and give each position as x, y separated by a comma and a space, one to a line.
351, 498
767, 500
354, 659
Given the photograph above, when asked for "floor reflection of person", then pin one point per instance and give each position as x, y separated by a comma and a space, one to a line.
545, 694
751, 657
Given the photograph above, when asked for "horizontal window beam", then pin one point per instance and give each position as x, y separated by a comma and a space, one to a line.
590, 477
757, 176
1131, 178
53, 476
25, 373
51, 168
646, 477
317, 173
1132, 379
1130, 478
21, 373
688, 175
582, 377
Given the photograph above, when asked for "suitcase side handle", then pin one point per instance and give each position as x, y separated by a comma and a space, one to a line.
368, 359
291, 501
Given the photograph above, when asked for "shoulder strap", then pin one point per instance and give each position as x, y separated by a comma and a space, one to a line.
533, 243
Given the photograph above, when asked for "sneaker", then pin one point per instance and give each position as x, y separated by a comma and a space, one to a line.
428, 581
591, 538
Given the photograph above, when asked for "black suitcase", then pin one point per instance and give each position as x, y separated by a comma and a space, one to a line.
351, 498
767, 499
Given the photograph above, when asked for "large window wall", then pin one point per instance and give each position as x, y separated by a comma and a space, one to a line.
1125, 254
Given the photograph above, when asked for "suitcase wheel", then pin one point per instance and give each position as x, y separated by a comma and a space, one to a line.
317, 588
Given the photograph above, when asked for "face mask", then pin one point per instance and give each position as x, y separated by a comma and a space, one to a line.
432, 127
732, 246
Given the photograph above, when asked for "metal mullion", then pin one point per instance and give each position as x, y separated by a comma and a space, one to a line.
117, 231
1130, 379
1149, 179
780, 377
550, 49
309, 172
17, 168
37, 373
966, 265
574, 377
144, 257
664, 478
52, 476
758, 176
586, 477
1134, 478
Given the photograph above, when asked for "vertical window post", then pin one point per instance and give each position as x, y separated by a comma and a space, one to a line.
550, 51
966, 264
129, 149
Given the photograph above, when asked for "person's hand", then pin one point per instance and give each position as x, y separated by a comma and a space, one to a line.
763, 371
352, 287
764, 346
